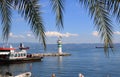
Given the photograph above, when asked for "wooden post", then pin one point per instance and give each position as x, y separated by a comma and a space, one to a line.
53, 75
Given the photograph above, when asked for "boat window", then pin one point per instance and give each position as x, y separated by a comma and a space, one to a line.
12, 55
24, 54
18, 55
15, 55
21, 54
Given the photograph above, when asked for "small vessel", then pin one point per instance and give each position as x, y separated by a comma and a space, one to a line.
22, 47
25, 74
10, 55
81, 75
102, 47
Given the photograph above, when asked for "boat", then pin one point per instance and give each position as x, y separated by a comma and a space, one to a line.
22, 47
102, 47
25, 74
10, 55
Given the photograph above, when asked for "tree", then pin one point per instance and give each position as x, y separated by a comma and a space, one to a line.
29, 9
100, 11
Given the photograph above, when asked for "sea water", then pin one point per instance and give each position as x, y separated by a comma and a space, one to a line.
85, 59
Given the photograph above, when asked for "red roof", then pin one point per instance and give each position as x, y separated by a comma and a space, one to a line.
2, 48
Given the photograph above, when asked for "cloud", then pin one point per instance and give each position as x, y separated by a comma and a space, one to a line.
117, 32
16, 36
95, 33
10, 34
69, 34
56, 34
28, 36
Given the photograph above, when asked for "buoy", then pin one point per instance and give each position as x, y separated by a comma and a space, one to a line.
53, 75
81, 75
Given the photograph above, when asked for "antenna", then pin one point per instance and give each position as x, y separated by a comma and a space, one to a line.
59, 37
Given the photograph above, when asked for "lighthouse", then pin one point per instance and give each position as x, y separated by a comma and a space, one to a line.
59, 42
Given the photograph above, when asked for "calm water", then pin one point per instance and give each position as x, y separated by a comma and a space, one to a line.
85, 59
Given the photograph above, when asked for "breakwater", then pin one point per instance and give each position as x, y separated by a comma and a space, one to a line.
51, 54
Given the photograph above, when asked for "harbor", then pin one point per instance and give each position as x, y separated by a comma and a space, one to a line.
83, 60
11, 55
58, 53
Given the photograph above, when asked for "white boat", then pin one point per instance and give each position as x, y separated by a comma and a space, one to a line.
10, 55
26, 74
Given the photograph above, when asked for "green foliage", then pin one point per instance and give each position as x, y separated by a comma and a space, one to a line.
5, 11
100, 12
58, 8
30, 10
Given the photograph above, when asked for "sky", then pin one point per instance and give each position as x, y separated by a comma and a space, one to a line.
78, 26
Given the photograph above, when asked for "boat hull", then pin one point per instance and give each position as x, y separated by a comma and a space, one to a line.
18, 61
26, 74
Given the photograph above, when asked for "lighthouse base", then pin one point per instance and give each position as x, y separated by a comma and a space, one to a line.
60, 53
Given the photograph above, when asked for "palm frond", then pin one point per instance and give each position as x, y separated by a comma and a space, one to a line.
114, 8
58, 8
5, 11
102, 20
30, 9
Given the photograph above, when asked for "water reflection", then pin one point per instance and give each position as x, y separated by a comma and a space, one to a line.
60, 65
60, 59
13, 68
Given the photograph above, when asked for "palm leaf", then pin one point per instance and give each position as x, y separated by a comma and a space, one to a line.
30, 10
101, 18
5, 10
114, 8
58, 8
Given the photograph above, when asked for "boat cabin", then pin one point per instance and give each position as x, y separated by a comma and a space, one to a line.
11, 53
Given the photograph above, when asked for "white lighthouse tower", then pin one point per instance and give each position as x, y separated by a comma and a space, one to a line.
59, 42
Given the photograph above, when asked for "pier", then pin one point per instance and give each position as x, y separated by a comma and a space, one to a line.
58, 53
51, 54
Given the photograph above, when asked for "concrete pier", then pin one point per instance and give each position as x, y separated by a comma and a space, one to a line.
59, 53
51, 54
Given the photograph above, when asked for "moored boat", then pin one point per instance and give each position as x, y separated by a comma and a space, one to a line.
10, 55
25, 74
102, 47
